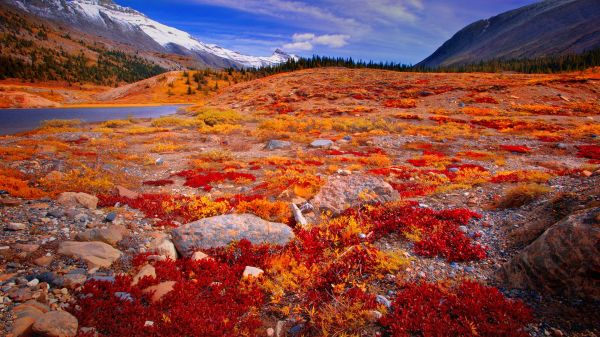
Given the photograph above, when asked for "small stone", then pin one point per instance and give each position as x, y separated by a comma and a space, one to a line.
297, 213
26, 247
344, 172
43, 261
586, 173
453, 169
111, 235
33, 283
375, 315
159, 161
322, 143
148, 323
163, 246
110, 217
159, 290
146, 270
383, 300
197, 256
277, 144
561, 146
74, 280
270, 332
10, 202
16, 226
72, 199
252, 271
123, 296
463, 229
56, 324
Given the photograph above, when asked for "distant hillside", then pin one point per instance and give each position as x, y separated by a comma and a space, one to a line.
38, 50
546, 28
107, 19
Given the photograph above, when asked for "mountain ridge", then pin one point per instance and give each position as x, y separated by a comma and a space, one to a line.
545, 28
123, 24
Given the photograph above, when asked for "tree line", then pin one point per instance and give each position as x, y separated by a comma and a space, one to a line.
549, 64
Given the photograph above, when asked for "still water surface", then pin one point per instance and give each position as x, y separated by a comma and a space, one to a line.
18, 120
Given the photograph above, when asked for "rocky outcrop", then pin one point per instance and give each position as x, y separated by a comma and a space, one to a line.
564, 260
342, 192
220, 230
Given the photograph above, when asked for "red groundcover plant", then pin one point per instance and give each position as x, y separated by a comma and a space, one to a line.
209, 298
589, 151
203, 179
438, 230
468, 309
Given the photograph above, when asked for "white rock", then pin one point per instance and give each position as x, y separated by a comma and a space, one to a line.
300, 219
197, 256
252, 271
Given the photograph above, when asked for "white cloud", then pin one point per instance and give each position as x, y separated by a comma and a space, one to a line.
307, 41
303, 37
330, 40
298, 46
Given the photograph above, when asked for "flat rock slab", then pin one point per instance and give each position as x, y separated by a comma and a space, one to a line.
95, 254
326, 143
221, 230
73, 199
56, 324
342, 192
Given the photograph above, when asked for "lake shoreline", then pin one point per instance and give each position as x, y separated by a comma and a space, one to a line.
15, 121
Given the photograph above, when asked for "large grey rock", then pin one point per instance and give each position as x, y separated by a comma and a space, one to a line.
563, 260
342, 192
277, 144
220, 230
95, 254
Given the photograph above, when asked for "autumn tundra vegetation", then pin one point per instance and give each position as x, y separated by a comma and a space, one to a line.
320, 202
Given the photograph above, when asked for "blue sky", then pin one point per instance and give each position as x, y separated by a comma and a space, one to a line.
381, 30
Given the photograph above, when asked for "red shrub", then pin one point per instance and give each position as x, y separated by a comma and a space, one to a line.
469, 309
208, 299
439, 230
516, 148
589, 151
486, 99
550, 139
162, 182
203, 179
411, 190
366, 153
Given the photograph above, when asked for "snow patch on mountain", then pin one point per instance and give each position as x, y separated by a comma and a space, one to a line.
99, 11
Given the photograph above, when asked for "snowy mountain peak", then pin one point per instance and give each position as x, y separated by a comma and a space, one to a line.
110, 20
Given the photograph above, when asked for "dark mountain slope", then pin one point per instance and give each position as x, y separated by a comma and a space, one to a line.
546, 28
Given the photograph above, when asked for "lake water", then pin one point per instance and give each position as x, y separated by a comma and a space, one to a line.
18, 120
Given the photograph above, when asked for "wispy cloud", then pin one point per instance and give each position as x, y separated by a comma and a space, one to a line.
307, 41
